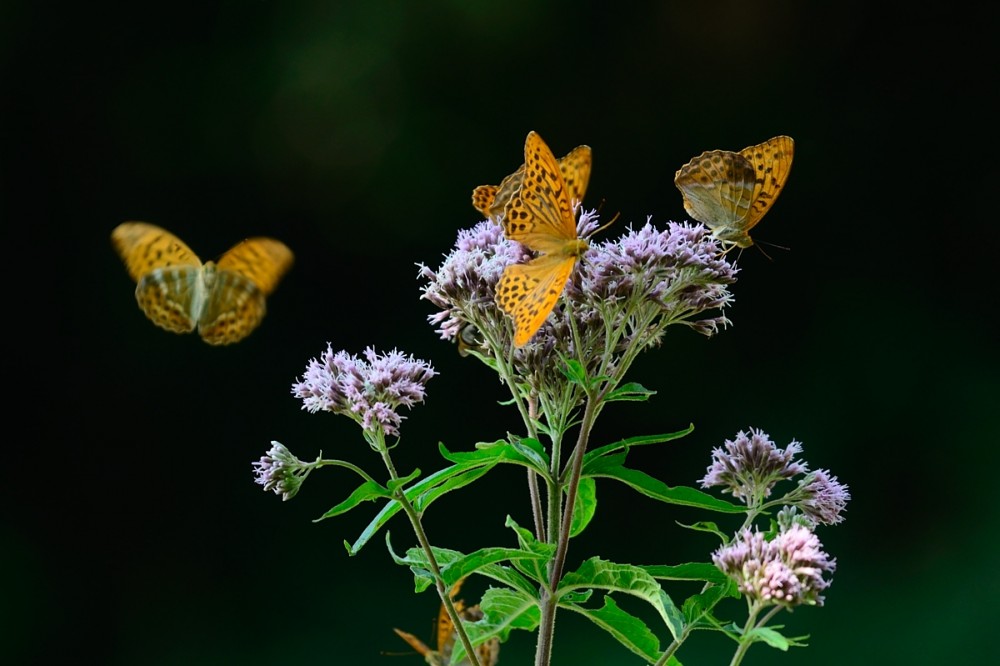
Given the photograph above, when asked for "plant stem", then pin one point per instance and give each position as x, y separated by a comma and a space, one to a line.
418, 529
546, 628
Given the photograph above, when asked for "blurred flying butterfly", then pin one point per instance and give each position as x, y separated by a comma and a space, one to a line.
490, 200
224, 300
487, 652
730, 192
539, 215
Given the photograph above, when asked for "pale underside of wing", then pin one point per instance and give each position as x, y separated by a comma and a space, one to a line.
528, 292
233, 306
169, 297
146, 247
772, 162
718, 187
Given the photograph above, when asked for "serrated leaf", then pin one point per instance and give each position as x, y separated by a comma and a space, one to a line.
627, 629
631, 391
366, 492
574, 371
629, 579
770, 636
535, 570
584, 507
395, 484
701, 571
610, 467
700, 606
707, 526
503, 611
529, 453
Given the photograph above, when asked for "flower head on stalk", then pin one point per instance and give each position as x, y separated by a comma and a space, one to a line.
368, 390
786, 571
750, 465
279, 470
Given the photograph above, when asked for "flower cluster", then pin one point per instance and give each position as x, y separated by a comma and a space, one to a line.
786, 571
621, 297
280, 471
368, 390
751, 465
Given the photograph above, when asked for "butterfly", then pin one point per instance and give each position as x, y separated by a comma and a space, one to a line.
539, 215
225, 300
488, 652
730, 192
490, 200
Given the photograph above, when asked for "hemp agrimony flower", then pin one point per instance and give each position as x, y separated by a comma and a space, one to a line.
368, 390
786, 571
751, 465
282, 472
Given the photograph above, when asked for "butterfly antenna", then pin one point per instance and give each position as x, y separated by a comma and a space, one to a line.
605, 226
780, 247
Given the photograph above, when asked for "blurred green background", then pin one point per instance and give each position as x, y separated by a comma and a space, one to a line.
131, 531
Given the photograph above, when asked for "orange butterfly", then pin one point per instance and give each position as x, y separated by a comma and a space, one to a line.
224, 300
539, 215
490, 200
488, 652
730, 192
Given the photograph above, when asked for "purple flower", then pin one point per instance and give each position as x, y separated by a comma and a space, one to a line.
786, 571
281, 471
822, 497
368, 390
751, 465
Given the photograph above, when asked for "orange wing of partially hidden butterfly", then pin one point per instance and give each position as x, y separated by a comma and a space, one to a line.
539, 215
225, 301
487, 652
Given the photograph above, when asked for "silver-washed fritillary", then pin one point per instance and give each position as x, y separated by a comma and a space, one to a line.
730, 192
490, 200
225, 300
488, 652
540, 216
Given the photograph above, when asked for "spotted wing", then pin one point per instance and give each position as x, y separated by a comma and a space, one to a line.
528, 292
540, 215
263, 261
772, 162
717, 187
575, 169
167, 273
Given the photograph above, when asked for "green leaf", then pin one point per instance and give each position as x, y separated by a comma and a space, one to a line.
631, 392
700, 571
422, 493
503, 611
395, 485
698, 607
627, 578
629, 630
536, 570
707, 526
611, 467
629, 442
528, 452
575, 372
773, 638
366, 492
584, 507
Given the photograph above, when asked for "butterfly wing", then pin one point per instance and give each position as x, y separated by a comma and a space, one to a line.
772, 162
491, 200
540, 215
528, 292
237, 289
718, 187
168, 274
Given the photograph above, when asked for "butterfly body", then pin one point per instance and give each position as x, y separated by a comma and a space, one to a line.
540, 216
225, 300
731, 191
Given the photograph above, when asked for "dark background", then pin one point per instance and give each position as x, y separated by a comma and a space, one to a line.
131, 530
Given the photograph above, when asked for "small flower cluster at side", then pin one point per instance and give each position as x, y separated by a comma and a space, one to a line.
750, 465
786, 571
368, 390
280, 471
